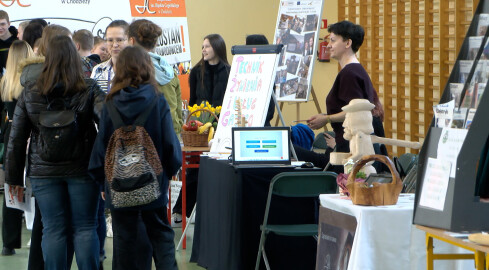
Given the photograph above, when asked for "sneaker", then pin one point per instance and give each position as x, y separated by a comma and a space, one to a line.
8, 251
177, 218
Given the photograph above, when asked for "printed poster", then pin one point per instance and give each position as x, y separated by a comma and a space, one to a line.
297, 28
449, 146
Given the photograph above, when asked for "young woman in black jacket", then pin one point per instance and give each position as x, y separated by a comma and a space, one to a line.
66, 195
208, 80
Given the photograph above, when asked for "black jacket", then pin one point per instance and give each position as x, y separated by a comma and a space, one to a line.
5, 45
31, 102
206, 92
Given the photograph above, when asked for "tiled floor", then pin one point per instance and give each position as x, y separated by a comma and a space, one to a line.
19, 260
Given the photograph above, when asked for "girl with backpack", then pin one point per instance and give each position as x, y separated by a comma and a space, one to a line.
134, 96
58, 113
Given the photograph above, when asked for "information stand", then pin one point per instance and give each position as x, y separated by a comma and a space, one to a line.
451, 200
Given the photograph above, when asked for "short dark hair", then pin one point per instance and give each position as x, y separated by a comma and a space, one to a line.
256, 40
32, 32
40, 21
4, 15
348, 30
84, 38
118, 23
145, 33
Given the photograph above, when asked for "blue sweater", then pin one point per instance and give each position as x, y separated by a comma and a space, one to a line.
130, 102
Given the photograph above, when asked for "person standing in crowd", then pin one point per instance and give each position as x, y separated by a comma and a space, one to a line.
84, 44
32, 32
134, 88
31, 70
20, 30
66, 195
116, 37
7, 36
10, 89
100, 49
352, 82
208, 80
145, 33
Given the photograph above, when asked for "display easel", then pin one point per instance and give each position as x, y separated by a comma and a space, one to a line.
279, 109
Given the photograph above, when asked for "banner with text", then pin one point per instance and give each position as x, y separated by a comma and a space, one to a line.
251, 82
170, 15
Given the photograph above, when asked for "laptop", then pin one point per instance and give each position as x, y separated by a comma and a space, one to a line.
261, 146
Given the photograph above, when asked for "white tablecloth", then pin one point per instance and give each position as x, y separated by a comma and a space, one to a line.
386, 239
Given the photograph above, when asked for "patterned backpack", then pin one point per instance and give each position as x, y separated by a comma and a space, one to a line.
132, 163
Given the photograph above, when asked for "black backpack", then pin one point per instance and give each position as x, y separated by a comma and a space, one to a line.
59, 132
132, 164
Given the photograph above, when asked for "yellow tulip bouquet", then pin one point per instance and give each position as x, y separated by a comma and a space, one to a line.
200, 123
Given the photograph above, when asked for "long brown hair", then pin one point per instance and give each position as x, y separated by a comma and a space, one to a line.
48, 33
219, 47
134, 67
62, 65
379, 109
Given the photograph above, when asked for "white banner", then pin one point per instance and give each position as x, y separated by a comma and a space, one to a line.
95, 15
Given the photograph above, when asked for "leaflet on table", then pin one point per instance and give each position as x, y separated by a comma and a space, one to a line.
475, 43
435, 184
449, 146
21, 201
444, 114
470, 117
216, 155
459, 116
482, 24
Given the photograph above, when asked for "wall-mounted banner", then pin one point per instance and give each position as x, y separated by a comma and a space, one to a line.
297, 28
92, 15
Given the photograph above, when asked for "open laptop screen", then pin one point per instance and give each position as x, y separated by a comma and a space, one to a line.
261, 145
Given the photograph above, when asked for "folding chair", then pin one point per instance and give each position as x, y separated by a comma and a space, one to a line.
294, 184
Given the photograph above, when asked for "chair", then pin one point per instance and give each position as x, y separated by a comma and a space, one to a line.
294, 184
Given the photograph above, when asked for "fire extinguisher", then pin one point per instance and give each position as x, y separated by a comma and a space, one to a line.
324, 53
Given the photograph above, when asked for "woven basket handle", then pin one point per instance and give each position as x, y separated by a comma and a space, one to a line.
202, 110
381, 158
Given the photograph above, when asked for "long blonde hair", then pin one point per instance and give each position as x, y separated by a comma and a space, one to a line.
10, 83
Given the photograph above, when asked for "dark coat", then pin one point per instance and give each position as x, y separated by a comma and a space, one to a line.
130, 102
31, 102
206, 92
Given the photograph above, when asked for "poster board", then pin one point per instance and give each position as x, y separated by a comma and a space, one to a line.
94, 16
251, 82
297, 29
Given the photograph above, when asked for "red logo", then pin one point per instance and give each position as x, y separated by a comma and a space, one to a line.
12, 2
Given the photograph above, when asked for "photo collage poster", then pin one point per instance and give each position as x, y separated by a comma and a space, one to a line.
297, 28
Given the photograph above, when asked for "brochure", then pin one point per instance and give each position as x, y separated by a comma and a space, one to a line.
444, 114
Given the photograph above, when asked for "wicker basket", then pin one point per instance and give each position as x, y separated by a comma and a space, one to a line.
193, 138
377, 193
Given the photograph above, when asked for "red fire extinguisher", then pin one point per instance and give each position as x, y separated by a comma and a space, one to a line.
324, 53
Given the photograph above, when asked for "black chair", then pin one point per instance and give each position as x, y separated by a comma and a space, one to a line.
294, 184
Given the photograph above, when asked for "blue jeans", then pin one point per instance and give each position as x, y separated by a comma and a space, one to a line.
69, 210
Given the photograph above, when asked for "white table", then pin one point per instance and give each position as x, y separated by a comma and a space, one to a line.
385, 237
